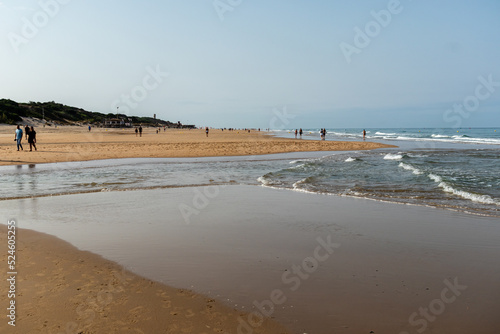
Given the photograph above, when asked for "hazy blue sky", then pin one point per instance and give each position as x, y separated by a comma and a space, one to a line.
259, 63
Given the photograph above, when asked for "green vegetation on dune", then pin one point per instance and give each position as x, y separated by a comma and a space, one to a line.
12, 111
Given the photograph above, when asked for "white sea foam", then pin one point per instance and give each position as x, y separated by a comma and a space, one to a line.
296, 184
391, 156
485, 199
350, 159
435, 178
264, 181
297, 166
414, 170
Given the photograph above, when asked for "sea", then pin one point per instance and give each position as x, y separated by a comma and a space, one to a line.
449, 169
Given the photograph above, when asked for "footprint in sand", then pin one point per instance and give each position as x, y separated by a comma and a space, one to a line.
136, 310
190, 313
166, 304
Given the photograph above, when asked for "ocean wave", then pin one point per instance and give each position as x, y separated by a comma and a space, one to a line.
384, 134
297, 166
391, 156
439, 136
414, 170
264, 181
302, 161
350, 159
407, 138
484, 199
435, 178
296, 184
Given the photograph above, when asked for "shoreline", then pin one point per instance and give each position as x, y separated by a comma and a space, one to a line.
71, 143
392, 259
60, 288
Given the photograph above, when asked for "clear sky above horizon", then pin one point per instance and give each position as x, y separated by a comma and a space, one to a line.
242, 63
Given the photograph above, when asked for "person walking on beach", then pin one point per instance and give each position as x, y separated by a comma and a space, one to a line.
296, 133
27, 130
206, 131
364, 134
300, 133
136, 132
19, 137
90, 128
140, 131
32, 138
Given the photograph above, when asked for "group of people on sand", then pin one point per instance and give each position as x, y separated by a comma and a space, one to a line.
30, 137
300, 132
322, 133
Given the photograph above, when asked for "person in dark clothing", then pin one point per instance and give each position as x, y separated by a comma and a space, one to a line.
32, 138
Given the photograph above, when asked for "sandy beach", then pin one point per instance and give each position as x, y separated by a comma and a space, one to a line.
65, 290
239, 254
61, 289
71, 143
331, 264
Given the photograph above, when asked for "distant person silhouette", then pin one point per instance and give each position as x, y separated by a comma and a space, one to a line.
27, 129
140, 131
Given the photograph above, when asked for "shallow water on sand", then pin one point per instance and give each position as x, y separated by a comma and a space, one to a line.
239, 244
463, 178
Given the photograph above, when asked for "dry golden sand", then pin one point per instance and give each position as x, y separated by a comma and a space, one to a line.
77, 144
61, 289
